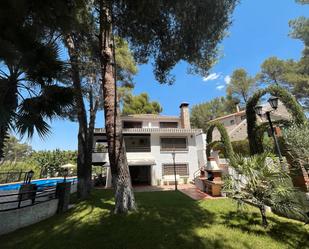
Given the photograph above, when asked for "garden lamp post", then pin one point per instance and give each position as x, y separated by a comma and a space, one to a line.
65, 174
174, 155
29, 176
273, 101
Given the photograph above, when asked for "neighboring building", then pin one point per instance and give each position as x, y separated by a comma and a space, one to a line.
150, 140
236, 123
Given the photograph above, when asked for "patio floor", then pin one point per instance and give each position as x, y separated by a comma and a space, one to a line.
188, 189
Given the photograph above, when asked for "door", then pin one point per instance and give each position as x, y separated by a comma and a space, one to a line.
140, 175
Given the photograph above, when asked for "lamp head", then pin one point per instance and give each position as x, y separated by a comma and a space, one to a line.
259, 110
30, 174
273, 101
65, 172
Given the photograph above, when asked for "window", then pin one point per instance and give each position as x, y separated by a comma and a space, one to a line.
135, 143
100, 146
168, 124
173, 143
181, 169
132, 124
232, 122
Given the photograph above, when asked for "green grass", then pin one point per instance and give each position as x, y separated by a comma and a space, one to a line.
164, 220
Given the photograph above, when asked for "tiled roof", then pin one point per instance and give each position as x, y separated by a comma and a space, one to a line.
227, 116
239, 132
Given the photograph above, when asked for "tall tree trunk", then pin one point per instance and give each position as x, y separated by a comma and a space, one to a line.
124, 196
84, 156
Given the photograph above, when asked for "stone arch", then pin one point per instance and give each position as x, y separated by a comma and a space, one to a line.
289, 101
225, 140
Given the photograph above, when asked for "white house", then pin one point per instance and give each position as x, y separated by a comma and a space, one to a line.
150, 141
236, 123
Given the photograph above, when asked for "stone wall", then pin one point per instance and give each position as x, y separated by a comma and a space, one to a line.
18, 218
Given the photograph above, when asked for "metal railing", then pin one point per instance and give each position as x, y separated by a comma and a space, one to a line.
12, 176
128, 149
22, 199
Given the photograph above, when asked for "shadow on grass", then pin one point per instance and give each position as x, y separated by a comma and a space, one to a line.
291, 233
163, 220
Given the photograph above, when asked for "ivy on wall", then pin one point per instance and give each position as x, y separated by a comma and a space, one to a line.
225, 140
254, 132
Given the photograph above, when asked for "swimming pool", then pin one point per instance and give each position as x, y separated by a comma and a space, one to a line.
41, 183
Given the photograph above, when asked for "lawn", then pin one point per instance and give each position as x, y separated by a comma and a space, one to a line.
164, 220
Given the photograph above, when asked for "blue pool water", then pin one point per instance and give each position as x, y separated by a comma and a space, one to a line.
40, 183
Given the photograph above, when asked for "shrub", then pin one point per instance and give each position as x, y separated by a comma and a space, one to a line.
241, 147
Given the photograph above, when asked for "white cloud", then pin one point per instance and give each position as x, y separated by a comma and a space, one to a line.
220, 87
212, 76
227, 79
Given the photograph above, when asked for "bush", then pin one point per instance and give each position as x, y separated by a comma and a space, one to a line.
241, 147
296, 140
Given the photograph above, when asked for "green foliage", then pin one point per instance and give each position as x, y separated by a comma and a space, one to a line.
296, 141
225, 140
50, 162
241, 147
162, 30
25, 166
288, 100
204, 112
140, 104
14, 151
273, 71
126, 64
241, 85
287, 73
30, 65
259, 180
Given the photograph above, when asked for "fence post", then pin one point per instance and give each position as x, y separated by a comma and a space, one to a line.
19, 177
63, 190
7, 176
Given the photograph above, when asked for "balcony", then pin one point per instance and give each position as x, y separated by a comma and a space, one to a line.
100, 157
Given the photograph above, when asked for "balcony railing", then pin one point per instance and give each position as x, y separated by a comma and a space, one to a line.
128, 149
99, 150
138, 149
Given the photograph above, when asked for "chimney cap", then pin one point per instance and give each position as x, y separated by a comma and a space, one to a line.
184, 104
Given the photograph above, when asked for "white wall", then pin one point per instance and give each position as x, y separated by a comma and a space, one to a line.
18, 218
201, 149
194, 156
161, 157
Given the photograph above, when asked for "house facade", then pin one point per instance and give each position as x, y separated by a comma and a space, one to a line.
236, 123
150, 142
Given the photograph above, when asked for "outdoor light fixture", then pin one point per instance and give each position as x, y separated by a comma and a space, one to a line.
29, 176
174, 155
258, 110
273, 101
65, 174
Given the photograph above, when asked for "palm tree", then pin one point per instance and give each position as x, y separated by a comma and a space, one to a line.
260, 181
29, 66
29, 94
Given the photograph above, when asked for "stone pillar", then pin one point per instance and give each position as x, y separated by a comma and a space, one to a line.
185, 116
63, 190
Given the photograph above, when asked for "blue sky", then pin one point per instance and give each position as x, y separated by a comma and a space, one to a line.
259, 30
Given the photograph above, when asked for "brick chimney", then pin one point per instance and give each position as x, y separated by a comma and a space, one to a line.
185, 116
